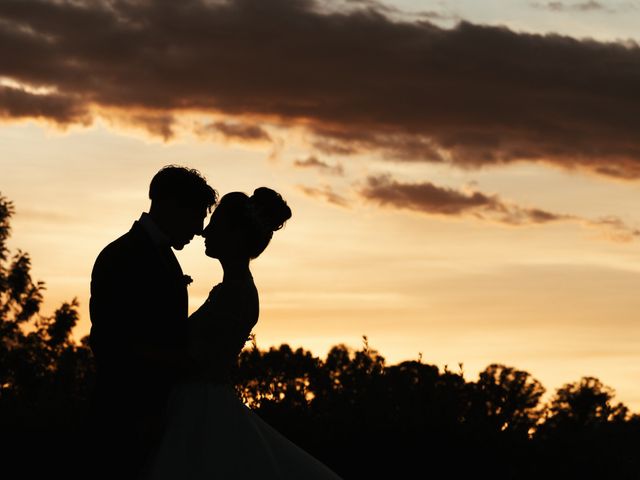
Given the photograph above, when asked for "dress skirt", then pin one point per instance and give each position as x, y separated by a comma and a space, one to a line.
211, 434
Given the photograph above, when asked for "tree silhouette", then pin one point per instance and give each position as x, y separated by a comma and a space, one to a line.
45, 376
586, 435
279, 375
583, 405
507, 399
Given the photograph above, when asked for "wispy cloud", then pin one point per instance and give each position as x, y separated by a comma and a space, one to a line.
430, 199
584, 6
234, 131
313, 162
325, 193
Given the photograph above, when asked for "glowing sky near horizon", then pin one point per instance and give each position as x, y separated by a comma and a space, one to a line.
557, 299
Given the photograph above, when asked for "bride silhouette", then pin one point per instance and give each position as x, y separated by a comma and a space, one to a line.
209, 433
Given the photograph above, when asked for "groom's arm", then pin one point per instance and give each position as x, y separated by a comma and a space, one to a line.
120, 316
111, 308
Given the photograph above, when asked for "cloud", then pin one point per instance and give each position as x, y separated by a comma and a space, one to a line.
62, 109
557, 6
235, 131
431, 199
434, 15
614, 228
395, 146
325, 193
159, 125
313, 162
41, 216
357, 80
391, 11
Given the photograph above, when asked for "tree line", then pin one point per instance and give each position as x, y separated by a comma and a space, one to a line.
350, 409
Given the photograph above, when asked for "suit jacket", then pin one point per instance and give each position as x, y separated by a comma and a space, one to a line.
138, 300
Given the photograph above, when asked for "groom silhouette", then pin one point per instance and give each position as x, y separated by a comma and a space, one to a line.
139, 308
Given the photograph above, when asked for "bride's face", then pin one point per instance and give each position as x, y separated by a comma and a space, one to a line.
220, 239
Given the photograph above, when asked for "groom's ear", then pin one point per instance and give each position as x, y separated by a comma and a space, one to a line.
163, 204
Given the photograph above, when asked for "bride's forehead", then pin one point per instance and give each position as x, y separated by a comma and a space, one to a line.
217, 212
216, 216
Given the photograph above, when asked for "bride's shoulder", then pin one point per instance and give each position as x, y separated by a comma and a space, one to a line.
215, 291
231, 292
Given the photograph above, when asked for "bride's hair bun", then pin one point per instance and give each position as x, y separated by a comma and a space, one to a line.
271, 209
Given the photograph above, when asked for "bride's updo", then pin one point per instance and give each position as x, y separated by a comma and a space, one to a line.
259, 216
269, 209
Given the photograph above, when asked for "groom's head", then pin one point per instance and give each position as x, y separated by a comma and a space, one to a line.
180, 200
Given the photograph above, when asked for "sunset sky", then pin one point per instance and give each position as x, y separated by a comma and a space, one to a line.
464, 175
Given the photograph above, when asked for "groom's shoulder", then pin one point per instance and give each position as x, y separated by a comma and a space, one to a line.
124, 247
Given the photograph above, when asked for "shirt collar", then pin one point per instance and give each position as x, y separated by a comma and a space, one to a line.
151, 227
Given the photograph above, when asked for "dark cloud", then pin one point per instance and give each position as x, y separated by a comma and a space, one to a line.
358, 80
62, 109
235, 131
394, 146
158, 125
313, 162
431, 199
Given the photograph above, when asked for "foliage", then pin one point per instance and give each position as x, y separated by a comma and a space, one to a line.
39, 361
584, 404
508, 399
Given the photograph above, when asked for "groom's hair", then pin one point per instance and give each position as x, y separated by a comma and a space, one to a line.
184, 186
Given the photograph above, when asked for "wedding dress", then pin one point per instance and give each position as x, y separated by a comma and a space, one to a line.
210, 433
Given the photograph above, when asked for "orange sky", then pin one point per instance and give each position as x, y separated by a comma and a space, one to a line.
558, 301
531, 262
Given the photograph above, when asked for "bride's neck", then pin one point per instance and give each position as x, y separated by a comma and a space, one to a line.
235, 269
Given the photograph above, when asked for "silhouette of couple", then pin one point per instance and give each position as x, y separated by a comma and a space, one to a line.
165, 407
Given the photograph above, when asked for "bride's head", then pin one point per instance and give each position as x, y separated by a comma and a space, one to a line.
242, 226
